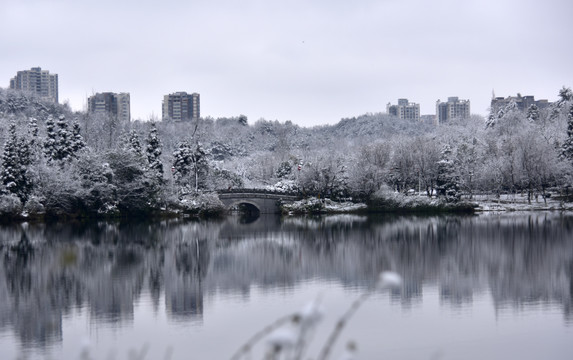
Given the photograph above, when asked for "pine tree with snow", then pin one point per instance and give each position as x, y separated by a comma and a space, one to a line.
64, 147
567, 150
533, 113
78, 142
563, 103
200, 165
182, 163
51, 142
15, 161
154, 153
447, 182
490, 122
190, 165
134, 144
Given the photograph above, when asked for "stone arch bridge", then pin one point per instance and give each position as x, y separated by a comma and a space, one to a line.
267, 202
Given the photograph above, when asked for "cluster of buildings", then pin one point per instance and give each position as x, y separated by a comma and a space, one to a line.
454, 108
179, 106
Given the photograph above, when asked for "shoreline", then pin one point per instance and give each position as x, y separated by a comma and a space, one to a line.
417, 205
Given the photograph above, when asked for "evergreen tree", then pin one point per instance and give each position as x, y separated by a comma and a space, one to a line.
78, 142
134, 145
567, 150
243, 120
34, 142
154, 153
60, 143
64, 147
284, 170
15, 161
447, 182
562, 104
533, 113
182, 163
50, 144
200, 165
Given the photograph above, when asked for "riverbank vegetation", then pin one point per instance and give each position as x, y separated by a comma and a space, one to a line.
59, 163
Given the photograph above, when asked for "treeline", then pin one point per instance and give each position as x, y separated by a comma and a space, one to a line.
57, 162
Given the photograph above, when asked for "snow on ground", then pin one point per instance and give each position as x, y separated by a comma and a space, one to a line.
518, 203
314, 205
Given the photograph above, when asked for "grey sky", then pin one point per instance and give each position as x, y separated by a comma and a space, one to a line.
312, 62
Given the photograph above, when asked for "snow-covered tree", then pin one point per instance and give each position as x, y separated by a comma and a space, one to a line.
567, 148
51, 142
64, 141
61, 143
182, 163
153, 150
200, 165
134, 145
561, 106
284, 170
447, 182
190, 165
533, 113
325, 176
367, 171
77, 141
15, 161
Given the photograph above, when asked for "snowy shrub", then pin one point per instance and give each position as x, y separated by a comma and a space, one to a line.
306, 206
202, 204
10, 207
34, 207
285, 186
388, 200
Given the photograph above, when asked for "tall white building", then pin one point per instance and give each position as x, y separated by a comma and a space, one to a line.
404, 110
454, 108
113, 104
37, 81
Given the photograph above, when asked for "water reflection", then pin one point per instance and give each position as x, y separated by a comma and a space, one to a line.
47, 271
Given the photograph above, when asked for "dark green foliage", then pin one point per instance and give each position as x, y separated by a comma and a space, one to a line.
190, 165
15, 162
77, 142
533, 113
61, 144
568, 144
284, 170
447, 182
134, 145
137, 191
50, 143
153, 151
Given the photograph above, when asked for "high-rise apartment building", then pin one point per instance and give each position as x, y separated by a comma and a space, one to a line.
113, 104
37, 81
454, 108
523, 102
404, 110
181, 106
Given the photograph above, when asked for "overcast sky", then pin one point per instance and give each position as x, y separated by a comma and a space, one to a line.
309, 61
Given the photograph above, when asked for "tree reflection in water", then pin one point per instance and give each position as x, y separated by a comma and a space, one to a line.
47, 271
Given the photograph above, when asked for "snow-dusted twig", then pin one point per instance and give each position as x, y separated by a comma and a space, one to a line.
265, 331
386, 280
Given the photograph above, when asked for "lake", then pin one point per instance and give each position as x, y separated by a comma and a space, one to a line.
491, 286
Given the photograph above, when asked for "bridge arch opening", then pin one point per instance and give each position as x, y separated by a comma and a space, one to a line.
248, 212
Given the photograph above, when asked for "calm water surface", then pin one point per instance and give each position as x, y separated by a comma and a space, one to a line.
478, 287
